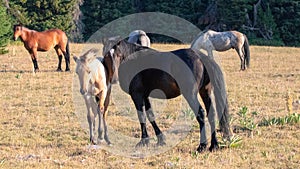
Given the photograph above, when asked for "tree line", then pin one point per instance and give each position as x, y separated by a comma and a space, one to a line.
265, 22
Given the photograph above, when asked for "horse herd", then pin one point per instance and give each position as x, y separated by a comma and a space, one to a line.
140, 70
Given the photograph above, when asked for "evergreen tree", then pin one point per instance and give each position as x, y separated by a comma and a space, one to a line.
287, 17
44, 14
76, 32
97, 13
5, 29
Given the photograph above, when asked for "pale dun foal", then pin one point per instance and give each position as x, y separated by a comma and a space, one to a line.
93, 82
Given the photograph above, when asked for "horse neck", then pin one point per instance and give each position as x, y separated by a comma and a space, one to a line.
197, 41
127, 49
94, 64
25, 34
94, 67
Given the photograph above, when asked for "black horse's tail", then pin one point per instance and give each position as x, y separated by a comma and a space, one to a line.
247, 51
219, 88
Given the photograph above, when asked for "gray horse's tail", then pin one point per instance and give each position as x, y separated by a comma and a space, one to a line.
144, 40
219, 88
247, 51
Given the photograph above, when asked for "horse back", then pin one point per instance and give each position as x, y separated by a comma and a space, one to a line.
195, 71
189, 57
50, 38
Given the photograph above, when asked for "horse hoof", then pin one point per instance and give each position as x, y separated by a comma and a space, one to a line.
93, 142
242, 69
68, 70
161, 140
144, 142
201, 148
213, 147
100, 141
107, 141
58, 70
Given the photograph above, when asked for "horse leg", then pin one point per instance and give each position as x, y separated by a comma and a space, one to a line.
242, 58
151, 118
91, 109
59, 54
100, 130
106, 103
200, 114
138, 102
101, 94
33, 55
205, 94
101, 112
67, 59
210, 53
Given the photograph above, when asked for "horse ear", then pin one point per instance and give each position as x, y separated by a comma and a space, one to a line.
104, 40
119, 42
75, 58
94, 50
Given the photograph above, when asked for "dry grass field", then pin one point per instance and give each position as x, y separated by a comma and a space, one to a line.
41, 127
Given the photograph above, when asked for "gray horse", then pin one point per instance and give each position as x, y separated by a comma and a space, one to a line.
222, 41
139, 37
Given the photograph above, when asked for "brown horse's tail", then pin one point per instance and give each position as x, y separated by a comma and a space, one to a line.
68, 50
247, 51
67, 57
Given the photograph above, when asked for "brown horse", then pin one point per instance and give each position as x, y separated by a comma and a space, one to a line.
43, 41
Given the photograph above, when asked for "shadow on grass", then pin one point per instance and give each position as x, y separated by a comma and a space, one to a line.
27, 71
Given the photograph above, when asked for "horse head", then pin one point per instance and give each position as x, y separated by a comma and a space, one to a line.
17, 31
111, 54
82, 69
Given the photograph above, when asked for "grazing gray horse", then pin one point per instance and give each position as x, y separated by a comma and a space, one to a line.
139, 37
222, 41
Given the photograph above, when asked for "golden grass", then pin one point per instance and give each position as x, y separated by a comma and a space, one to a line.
40, 129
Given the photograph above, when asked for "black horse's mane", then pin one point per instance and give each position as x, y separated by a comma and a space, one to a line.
129, 48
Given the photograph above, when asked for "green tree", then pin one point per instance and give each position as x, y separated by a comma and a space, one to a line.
5, 29
97, 13
44, 14
287, 17
231, 14
262, 20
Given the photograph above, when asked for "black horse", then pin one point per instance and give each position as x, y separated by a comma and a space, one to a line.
141, 71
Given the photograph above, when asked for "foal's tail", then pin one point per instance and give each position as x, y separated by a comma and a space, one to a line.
217, 80
247, 51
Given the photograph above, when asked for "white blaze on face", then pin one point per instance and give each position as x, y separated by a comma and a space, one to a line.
112, 51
